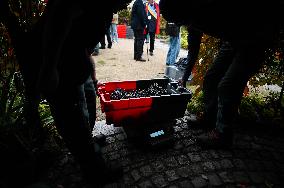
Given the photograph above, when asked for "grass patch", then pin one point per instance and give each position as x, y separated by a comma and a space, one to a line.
101, 62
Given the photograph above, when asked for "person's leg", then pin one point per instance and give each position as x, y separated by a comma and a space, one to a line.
171, 56
246, 61
140, 43
245, 64
115, 34
111, 32
178, 45
109, 45
194, 40
176, 49
168, 59
96, 49
90, 95
103, 42
135, 44
152, 42
71, 117
211, 80
70, 112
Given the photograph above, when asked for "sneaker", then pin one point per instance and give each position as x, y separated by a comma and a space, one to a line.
215, 140
151, 53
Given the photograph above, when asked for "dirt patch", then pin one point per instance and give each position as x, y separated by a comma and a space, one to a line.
118, 63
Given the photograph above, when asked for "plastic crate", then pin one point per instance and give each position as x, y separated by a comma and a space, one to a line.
176, 73
137, 111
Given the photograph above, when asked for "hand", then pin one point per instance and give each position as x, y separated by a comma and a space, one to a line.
97, 84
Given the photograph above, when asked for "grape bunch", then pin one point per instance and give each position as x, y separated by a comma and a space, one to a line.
153, 90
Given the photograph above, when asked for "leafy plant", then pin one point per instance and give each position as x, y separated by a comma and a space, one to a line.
196, 105
124, 16
261, 107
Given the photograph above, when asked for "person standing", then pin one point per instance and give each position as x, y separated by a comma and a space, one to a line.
138, 24
174, 32
113, 28
153, 15
240, 56
109, 42
61, 80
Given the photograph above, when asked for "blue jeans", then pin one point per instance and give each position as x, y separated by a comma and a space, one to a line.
113, 31
173, 50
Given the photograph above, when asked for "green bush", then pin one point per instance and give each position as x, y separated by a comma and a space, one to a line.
183, 41
196, 105
256, 107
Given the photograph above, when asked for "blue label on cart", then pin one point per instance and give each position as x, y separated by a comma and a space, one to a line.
157, 133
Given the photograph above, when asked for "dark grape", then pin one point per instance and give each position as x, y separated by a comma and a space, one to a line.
153, 90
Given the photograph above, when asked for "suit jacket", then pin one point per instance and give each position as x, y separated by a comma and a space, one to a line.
158, 16
138, 16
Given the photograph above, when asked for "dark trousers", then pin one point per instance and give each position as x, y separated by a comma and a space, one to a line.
152, 41
103, 43
90, 95
138, 43
226, 79
69, 110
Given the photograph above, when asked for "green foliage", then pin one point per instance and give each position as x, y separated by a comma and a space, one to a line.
11, 102
162, 34
183, 41
124, 16
208, 50
27, 11
263, 108
196, 105
256, 107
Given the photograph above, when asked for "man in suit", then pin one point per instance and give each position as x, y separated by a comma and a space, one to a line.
153, 15
138, 24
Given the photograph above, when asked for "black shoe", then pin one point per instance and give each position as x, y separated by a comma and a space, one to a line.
100, 139
151, 53
215, 140
141, 59
109, 45
102, 47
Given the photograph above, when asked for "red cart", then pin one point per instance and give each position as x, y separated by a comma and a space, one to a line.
150, 117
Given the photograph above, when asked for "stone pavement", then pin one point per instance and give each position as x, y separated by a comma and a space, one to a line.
256, 160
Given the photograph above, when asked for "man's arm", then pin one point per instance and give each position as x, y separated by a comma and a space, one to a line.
194, 40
